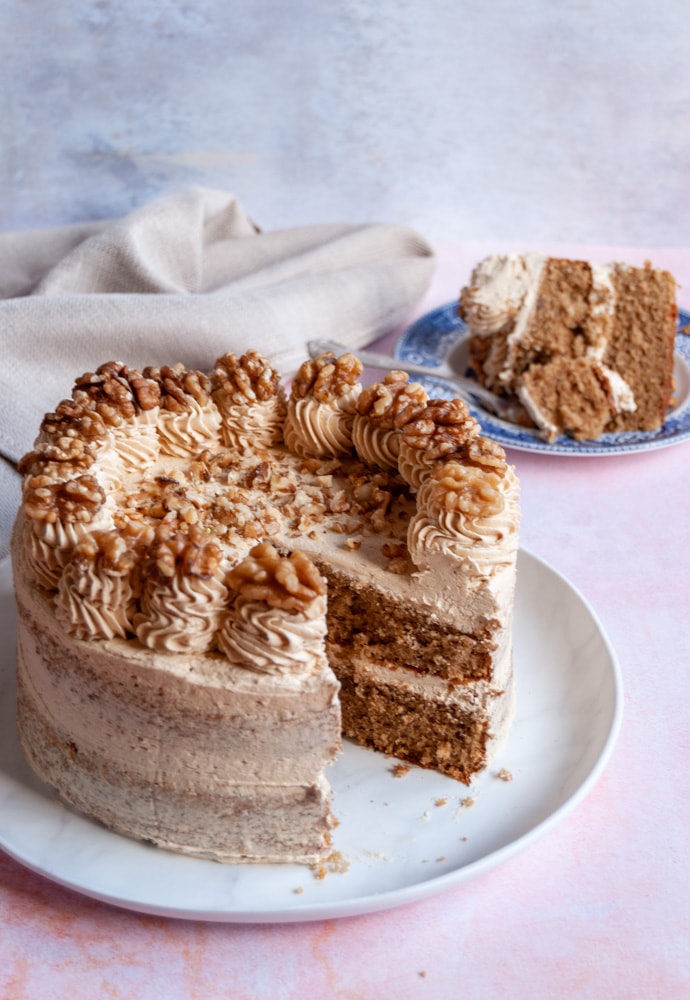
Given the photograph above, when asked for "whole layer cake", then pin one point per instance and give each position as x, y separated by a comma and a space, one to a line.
583, 349
213, 581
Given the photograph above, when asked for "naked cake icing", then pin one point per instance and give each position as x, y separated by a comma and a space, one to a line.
215, 580
582, 349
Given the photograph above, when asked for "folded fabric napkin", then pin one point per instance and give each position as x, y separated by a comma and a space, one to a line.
185, 278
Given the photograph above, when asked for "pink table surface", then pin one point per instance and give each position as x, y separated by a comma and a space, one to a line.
599, 907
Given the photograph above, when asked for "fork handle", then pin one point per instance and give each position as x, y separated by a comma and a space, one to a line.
373, 360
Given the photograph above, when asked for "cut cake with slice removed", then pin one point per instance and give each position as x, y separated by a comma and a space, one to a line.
177, 649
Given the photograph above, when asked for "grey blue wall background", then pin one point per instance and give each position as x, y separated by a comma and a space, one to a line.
529, 121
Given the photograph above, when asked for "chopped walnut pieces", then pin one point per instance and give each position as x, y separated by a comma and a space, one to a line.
245, 380
393, 402
175, 499
189, 551
394, 550
327, 378
178, 385
258, 477
208, 464
444, 426
75, 500
339, 502
398, 557
467, 489
291, 583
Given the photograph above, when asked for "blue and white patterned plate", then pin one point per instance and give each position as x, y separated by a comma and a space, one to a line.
441, 335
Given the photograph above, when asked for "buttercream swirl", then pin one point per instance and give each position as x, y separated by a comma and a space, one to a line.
376, 445
180, 615
137, 441
187, 432
315, 429
45, 562
110, 466
497, 290
50, 544
412, 464
94, 602
486, 540
270, 640
253, 425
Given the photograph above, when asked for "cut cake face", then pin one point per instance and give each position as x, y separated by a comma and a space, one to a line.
583, 349
213, 579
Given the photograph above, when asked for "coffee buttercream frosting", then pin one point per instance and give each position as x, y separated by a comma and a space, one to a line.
183, 543
251, 401
322, 404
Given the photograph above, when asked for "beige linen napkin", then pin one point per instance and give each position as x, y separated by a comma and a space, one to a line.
185, 278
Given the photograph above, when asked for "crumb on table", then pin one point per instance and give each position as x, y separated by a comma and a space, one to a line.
334, 863
399, 770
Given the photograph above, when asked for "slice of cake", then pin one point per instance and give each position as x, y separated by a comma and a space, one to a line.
583, 349
213, 579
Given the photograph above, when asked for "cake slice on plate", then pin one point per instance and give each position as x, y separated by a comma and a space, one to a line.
583, 349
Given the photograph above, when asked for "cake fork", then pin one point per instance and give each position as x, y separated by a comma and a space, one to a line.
466, 388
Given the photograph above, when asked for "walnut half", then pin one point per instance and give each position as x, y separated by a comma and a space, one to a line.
190, 550
75, 500
291, 583
393, 402
327, 378
178, 385
443, 427
466, 489
245, 380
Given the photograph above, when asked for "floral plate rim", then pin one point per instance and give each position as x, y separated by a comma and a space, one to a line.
429, 340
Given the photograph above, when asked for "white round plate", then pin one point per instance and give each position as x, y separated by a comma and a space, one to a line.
399, 839
441, 335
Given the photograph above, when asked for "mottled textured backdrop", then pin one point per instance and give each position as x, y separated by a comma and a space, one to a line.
518, 121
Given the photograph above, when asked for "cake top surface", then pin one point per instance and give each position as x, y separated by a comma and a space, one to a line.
201, 493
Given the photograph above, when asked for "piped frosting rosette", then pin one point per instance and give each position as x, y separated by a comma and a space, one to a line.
58, 513
277, 621
183, 597
444, 427
250, 400
383, 409
127, 403
468, 506
189, 421
497, 290
322, 405
97, 592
